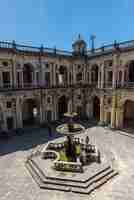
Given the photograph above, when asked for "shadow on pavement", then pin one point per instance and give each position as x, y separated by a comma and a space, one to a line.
31, 138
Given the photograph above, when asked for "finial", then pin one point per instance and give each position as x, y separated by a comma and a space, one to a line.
92, 38
55, 50
79, 36
14, 44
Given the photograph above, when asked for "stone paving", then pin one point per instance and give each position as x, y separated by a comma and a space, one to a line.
16, 182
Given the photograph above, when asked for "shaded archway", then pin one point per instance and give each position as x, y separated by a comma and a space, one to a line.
129, 114
30, 112
62, 106
131, 71
62, 75
27, 74
1, 117
96, 108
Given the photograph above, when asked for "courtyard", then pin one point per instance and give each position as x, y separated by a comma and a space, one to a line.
17, 183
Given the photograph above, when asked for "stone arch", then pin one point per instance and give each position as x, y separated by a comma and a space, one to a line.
96, 108
123, 100
61, 76
128, 114
28, 71
30, 111
130, 70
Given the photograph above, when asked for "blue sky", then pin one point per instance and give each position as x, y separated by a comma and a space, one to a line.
58, 22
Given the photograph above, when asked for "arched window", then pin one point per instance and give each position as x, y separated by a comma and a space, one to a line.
94, 73
79, 77
27, 74
120, 77
62, 76
131, 71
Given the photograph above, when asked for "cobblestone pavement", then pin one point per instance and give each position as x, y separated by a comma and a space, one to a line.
17, 184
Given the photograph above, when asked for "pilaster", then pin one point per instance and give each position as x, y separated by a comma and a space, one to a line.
113, 112
102, 109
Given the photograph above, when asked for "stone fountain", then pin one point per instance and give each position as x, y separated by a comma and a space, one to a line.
70, 163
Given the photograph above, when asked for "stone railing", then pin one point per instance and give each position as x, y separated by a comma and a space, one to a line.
68, 166
56, 146
50, 155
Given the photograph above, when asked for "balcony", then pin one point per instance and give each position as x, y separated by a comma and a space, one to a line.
27, 86
125, 85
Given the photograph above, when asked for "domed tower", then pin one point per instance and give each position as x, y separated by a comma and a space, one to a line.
79, 46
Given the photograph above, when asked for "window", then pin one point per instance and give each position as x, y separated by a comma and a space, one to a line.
47, 78
5, 63
48, 99
110, 76
18, 79
88, 77
108, 63
48, 115
9, 104
109, 101
79, 97
62, 69
79, 66
37, 77
47, 65
6, 79
79, 76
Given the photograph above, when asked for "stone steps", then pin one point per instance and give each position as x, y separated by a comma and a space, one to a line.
43, 185
95, 185
72, 183
87, 187
75, 181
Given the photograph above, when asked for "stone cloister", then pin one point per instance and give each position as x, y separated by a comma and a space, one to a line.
40, 84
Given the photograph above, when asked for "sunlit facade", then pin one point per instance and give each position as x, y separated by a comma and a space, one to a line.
40, 84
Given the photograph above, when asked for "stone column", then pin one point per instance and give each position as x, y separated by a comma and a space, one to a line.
11, 79
90, 78
101, 110
4, 126
41, 106
1, 80
115, 70
19, 113
99, 79
119, 118
84, 74
4, 114
102, 76
123, 78
114, 78
113, 112
89, 109
54, 74
14, 71
74, 74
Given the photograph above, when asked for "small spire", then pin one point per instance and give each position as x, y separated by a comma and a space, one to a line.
79, 36
41, 48
92, 38
14, 44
